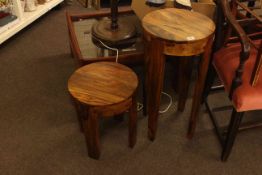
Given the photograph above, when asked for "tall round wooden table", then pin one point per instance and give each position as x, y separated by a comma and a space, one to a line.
175, 32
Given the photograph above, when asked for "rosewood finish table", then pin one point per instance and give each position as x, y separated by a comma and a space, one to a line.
175, 32
105, 89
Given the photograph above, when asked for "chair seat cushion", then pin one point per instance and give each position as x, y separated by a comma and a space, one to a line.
226, 61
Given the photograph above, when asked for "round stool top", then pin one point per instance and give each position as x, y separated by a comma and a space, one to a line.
178, 25
102, 83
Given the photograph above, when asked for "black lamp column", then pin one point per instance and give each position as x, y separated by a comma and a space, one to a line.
114, 14
114, 32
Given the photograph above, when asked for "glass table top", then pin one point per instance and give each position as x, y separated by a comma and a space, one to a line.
90, 50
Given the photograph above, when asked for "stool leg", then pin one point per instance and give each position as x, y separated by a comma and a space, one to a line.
80, 113
144, 100
132, 123
185, 71
92, 134
119, 117
175, 64
86, 4
155, 66
199, 87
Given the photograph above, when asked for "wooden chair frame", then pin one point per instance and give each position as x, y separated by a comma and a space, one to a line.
230, 12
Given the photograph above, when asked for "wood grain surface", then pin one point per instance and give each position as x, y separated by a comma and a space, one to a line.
178, 25
102, 83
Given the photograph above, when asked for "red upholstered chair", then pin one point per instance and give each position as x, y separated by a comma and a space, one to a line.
238, 66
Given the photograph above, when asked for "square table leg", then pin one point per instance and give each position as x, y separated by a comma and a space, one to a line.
199, 87
155, 66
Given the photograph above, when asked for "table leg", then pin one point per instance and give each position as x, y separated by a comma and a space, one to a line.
184, 76
155, 63
92, 134
119, 117
175, 65
132, 124
202, 72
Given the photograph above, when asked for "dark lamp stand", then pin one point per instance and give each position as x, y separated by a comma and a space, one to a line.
114, 32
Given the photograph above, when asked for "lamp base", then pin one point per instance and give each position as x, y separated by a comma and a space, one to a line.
122, 37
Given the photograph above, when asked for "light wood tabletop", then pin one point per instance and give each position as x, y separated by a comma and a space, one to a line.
175, 32
178, 25
103, 89
102, 83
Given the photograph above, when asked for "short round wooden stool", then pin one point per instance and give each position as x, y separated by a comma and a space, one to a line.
106, 89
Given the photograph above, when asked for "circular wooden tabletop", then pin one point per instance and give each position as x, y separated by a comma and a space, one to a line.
102, 83
178, 25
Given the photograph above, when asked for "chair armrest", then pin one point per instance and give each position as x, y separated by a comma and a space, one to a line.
244, 41
245, 45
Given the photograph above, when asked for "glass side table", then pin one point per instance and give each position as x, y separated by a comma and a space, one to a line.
85, 51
